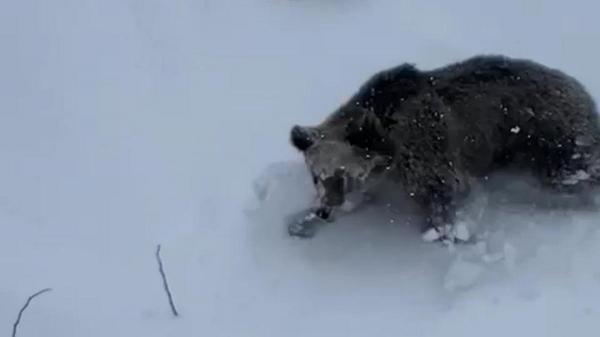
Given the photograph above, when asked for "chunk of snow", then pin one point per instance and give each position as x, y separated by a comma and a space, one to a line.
462, 275
348, 206
516, 129
576, 178
491, 258
310, 216
461, 232
431, 235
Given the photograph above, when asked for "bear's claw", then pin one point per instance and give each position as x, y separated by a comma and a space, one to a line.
302, 230
307, 225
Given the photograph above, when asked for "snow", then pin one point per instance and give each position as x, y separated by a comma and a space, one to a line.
575, 178
125, 124
462, 275
431, 235
461, 231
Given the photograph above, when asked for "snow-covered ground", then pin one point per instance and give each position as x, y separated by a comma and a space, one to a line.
127, 123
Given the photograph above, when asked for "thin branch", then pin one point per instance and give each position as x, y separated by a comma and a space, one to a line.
165, 283
16, 324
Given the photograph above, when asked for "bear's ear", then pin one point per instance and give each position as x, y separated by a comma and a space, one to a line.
302, 137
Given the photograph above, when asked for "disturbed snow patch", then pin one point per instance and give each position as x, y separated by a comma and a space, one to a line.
509, 233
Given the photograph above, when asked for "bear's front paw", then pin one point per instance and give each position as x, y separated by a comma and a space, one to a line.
305, 226
302, 230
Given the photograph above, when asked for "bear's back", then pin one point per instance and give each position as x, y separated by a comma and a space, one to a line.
517, 90
495, 108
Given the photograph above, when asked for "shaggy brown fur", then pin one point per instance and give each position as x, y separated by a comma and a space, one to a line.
435, 131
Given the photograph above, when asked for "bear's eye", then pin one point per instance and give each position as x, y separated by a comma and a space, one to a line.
367, 137
364, 135
315, 179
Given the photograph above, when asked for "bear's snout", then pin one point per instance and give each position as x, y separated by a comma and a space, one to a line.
302, 138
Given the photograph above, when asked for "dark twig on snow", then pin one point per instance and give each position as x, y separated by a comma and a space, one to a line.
165, 283
16, 324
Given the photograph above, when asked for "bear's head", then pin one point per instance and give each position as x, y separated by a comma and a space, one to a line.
347, 153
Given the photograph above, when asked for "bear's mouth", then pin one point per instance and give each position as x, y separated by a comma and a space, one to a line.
333, 190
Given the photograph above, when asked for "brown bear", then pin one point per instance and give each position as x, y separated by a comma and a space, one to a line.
436, 132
